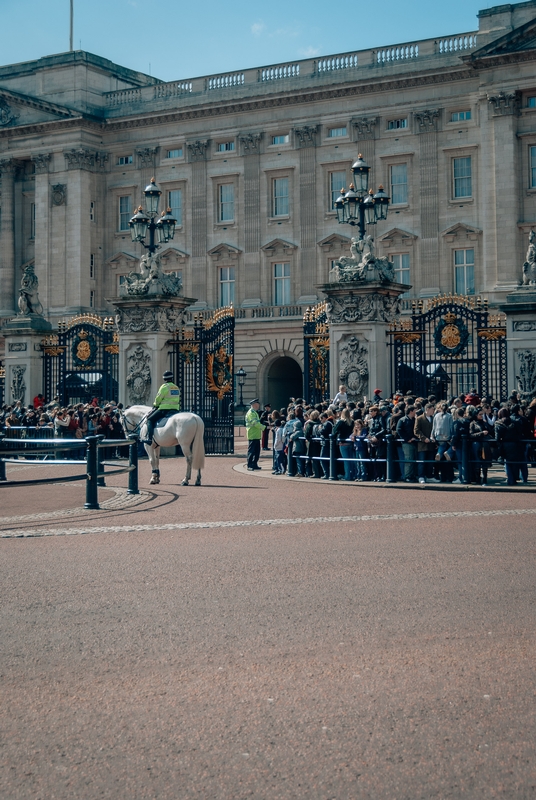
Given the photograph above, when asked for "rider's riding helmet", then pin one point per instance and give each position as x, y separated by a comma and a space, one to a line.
168, 376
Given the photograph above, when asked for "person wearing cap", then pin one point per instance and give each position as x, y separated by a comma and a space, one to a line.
254, 429
377, 396
168, 399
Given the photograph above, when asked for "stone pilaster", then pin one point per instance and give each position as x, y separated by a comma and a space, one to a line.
306, 141
426, 123
8, 170
250, 145
364, 133
502, 272
78, 247
43, 220
197, 155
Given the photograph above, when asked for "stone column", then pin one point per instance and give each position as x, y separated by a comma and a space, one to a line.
359, 313
250, 144
306, 274
80, 163
197, 155
501, 272
8, 170
43, 221
426, 124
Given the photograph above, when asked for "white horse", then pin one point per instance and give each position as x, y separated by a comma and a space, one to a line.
184, 428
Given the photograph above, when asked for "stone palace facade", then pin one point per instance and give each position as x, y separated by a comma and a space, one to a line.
251, 162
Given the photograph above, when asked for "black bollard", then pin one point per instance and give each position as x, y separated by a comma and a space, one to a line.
133, 462
100, 479
2, 462
466, 458
391, 457
333, 457
92, 494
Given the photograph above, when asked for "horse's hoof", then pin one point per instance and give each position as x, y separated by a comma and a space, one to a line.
184, 483
154, 480
198, 482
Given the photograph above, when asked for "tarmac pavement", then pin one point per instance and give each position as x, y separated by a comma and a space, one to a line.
254, 638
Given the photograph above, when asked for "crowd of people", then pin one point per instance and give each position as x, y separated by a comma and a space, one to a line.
429, 435
76, 421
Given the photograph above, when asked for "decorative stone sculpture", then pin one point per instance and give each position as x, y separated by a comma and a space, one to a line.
139, 376
362, 265
18, 387
526, 379
150, 280
529, 267
28, 294
373, 307
354, 370
142, 318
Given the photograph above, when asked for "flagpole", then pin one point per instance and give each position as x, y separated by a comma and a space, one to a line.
71, 29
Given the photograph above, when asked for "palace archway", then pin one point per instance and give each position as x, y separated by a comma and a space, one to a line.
283, 381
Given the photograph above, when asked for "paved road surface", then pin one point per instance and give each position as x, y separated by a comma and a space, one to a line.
352, 643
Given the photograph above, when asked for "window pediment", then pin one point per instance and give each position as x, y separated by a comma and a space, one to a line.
279, 246
461, 232
224, 251
123, 260
334, 242
398, 237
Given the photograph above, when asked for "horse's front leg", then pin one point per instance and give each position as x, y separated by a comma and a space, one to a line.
152, 452
188, 471
198, 479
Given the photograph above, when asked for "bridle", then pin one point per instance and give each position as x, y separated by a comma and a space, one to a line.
136, 428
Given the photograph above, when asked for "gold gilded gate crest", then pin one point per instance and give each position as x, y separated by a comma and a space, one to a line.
83, 350
450, 336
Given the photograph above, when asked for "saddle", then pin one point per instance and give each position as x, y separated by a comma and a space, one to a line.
162, 421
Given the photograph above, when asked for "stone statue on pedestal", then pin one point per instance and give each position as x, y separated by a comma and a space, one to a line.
529, 267
362, 264
150, 280
28, 295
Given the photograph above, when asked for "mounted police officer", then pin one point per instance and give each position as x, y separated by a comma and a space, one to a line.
168, 399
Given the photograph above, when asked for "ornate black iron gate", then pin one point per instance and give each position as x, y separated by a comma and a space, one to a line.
202, 363
455, 345
316, 354
81, 361
2, 385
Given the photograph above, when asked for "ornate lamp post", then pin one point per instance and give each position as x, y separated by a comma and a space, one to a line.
143, 222
241, 374
359, 205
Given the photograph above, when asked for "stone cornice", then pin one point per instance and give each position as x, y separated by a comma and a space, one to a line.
34, 102
305, 96
288, 99
51, 127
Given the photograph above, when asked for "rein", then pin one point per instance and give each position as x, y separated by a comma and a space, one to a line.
126, 423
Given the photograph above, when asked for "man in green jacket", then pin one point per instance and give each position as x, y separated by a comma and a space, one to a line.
168, 399
254, 429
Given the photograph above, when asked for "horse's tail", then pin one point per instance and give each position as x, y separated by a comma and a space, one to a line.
198, 446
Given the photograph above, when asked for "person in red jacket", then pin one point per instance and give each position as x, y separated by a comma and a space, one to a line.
39, 402
472, 399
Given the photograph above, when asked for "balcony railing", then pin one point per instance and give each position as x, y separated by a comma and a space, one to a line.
306, 70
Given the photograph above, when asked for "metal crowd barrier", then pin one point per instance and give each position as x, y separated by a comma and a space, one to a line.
391, 459
95, 473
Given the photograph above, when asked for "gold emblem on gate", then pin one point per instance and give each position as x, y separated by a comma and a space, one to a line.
83, 350
450, 336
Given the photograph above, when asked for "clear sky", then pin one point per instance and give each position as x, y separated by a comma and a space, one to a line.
177, 39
